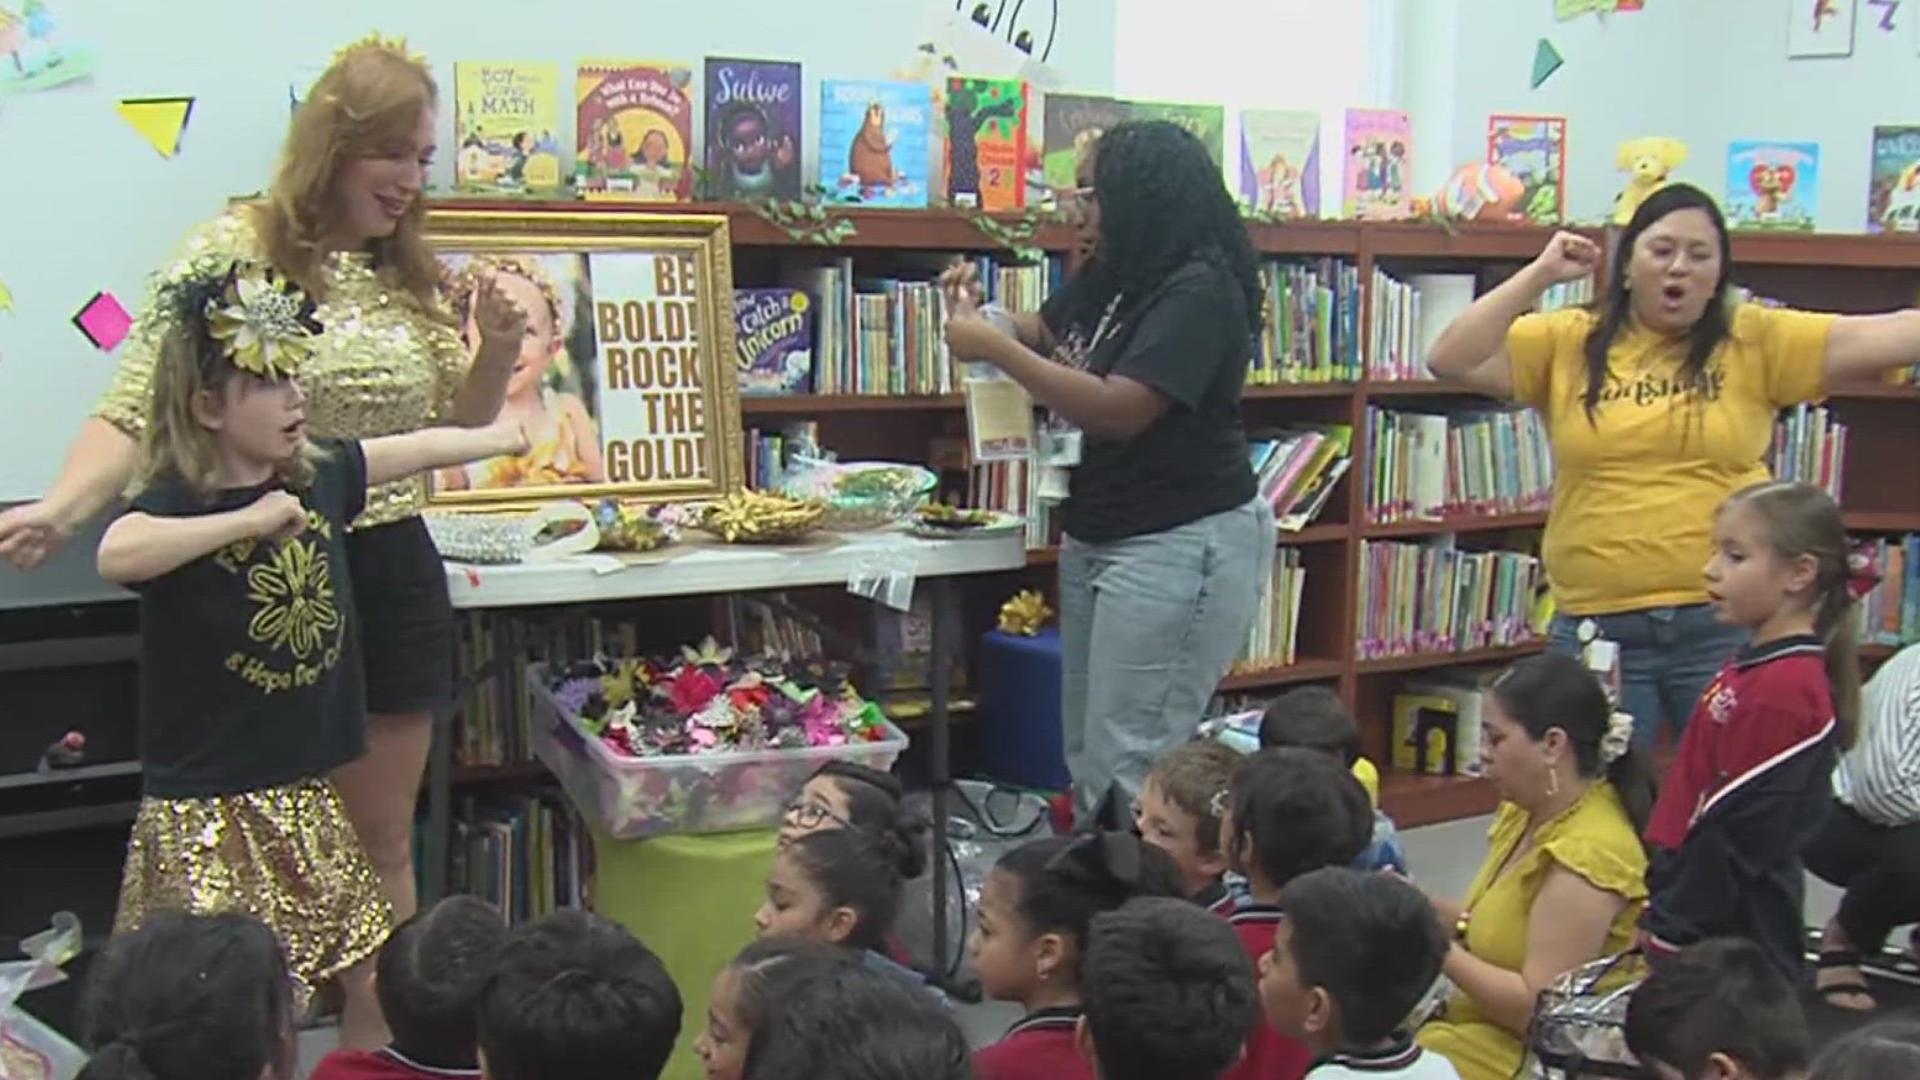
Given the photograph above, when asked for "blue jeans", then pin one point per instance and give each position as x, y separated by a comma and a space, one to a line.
1668, 655
1148, 625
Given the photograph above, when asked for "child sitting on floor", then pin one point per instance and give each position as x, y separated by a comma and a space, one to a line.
1354, 956
428, 979
1289, 812
1035, 910
1167, 994
1719, 1010
576, 997
851, 1022
1313, 718
746, 993
842, 887
1179, 813
1875, 1052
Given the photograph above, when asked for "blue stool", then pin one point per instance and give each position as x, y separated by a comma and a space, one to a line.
1020, 710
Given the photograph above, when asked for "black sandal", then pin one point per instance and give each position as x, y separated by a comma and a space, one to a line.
1834, 959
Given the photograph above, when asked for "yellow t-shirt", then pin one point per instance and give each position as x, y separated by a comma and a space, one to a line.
1593, 838
1636, 487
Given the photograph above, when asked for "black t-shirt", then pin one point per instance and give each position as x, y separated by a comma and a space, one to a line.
250, 672
1191, 341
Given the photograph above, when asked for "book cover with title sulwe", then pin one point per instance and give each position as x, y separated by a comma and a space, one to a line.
505, 116
874, 147
1534, 150
773, 335
754, 131
1379, 165
986, 143
1280, 161
635, 131
1893, 191
1772, 185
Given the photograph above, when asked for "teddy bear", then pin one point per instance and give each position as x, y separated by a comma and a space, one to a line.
1646, 161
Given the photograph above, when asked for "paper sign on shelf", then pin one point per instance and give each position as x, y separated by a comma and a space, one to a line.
161, 120
104, 320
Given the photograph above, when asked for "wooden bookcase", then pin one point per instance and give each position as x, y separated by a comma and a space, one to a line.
1830, 272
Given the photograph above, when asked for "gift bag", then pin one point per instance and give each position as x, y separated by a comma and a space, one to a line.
29, 1049
1579, 1028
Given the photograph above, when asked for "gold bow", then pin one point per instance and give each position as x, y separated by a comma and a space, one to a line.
1025, 614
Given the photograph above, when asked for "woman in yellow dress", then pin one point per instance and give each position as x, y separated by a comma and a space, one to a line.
343, 220
1565, 874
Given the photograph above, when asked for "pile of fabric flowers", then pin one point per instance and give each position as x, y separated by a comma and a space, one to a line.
706, 700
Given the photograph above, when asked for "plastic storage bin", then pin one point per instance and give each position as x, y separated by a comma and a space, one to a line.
634, 798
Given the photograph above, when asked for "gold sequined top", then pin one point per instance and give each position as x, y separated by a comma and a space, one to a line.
382, 366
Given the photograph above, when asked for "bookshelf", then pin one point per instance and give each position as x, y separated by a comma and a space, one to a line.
1833, 272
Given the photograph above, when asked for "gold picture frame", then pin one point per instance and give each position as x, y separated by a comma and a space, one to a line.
627, 381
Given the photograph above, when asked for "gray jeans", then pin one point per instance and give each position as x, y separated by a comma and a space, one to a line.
1148, 625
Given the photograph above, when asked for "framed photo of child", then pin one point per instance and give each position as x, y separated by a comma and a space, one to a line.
625, 381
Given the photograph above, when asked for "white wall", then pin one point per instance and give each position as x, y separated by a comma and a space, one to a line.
1702, 71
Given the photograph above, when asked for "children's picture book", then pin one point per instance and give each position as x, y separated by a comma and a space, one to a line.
753, 129
1893, 194
1280, 161
1534, 150
773, 335
1772, 185
986, 143
1379, 165
874, 141
635, 131
505, 116
1071, 124
1208, 123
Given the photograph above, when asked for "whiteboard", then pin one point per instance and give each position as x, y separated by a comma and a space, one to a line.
89, 205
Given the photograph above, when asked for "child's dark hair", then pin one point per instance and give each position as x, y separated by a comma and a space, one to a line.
1297, 810
1370, 941
1879, 1051
766, 972
1167, 990
1065, 882
1311, 718
1192, 776
854, 1022
873, 799
860, 870
429, 977
1554, 690
1720, 996
1803, 521
574, 996
190, 997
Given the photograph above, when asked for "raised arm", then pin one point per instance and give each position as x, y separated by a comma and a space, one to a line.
1566, 927
140, 547
1862, 347
1473, 348
395, 457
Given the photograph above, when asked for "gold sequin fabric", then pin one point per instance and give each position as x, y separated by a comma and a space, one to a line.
286, 855
380, 366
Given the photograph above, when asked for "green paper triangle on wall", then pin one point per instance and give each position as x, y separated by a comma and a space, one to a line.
1546, 61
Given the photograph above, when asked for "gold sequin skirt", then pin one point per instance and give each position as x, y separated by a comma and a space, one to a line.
286, 855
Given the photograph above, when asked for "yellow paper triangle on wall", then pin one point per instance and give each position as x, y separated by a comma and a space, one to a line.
159, 120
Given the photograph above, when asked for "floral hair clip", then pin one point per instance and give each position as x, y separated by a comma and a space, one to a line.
248, 315
1862, 574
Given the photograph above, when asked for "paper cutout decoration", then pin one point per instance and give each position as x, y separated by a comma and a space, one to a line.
1819, 28
37, 61
1546, 61
104, 321
1884, 13
6, 297
160, 121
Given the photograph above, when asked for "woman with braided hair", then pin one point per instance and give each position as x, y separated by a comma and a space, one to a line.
1144, 352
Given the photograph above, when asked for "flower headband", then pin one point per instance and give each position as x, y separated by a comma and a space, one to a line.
249, 315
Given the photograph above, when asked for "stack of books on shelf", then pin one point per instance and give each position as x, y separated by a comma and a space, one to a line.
1310, 332
491, 727
1435, 466
1010, 487
1018, 286
1406, 317
1433, 597
1272, 640
771, 451
1890, 614
527, 854
1297, 470
1810, 446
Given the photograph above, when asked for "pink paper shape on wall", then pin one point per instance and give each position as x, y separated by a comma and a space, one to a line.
104, 320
